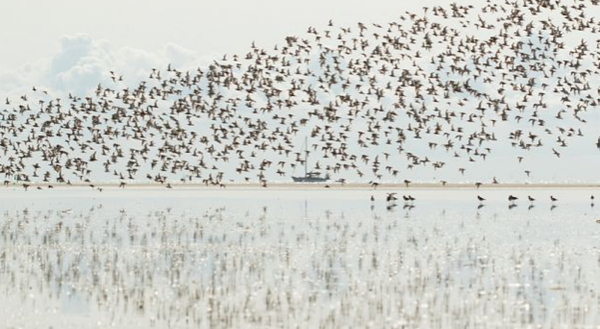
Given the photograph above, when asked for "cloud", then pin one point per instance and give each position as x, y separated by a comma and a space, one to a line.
73, 50
82, 62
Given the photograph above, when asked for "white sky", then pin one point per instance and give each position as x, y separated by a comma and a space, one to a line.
31, 29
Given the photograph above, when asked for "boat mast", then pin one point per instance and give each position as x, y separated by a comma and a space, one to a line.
306, 156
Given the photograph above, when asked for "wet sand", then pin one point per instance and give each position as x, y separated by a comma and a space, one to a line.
237, 258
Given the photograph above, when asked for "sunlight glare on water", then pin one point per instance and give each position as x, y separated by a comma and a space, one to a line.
298, 258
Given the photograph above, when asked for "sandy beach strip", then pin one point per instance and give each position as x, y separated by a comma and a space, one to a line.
312, 186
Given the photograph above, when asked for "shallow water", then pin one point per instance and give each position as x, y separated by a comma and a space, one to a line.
76, 258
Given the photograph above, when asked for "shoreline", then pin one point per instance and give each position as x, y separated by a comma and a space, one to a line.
309, 186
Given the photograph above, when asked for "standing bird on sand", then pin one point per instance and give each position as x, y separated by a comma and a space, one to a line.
553, 199
480, 199
512, 199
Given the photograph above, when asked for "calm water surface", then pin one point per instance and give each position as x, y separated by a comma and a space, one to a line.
75, 258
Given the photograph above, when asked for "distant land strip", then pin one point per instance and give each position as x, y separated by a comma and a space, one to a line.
307, 186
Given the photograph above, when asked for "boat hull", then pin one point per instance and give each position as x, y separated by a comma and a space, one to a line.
309, 179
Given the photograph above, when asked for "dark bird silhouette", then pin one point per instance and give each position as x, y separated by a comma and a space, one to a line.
391, 197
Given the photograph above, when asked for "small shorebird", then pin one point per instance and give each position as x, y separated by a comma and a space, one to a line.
391, 197
511, 200
480, 198
408, 198
553, 199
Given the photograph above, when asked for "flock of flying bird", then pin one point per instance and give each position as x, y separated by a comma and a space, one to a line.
374, 100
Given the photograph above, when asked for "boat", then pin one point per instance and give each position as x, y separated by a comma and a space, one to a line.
309, 177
